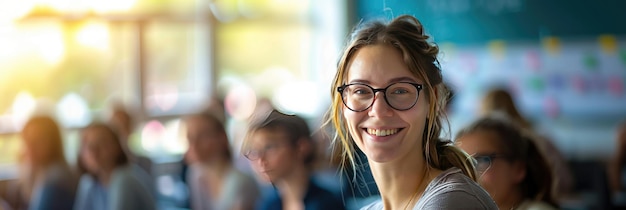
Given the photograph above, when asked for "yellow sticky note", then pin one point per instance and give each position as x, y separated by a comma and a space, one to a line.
448, 49
552, 45
608, 44
497, 48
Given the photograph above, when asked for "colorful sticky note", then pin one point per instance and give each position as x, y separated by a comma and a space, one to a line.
608, 44
551, 44
536, 84
448, 49
551, 107
497, 48
533, 61
590, 61
579, 84
616, 86
556, 82
469, 62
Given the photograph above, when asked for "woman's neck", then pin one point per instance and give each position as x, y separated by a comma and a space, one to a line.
401, 183
511, 201
216, 167
293, 188
212, 176
104, 176
106, 172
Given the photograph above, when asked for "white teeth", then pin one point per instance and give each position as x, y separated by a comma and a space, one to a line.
382, 132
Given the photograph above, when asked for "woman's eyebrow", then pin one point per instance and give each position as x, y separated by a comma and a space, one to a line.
398, 79
360, 81
402, 79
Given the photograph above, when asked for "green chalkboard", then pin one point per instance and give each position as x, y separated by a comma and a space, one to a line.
479, 21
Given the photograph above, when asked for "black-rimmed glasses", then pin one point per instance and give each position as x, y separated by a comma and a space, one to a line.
400, 96
255, 154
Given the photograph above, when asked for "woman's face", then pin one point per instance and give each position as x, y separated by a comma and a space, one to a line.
205, 141
99, 151
385, 134
272, 155
36, 145
499, 178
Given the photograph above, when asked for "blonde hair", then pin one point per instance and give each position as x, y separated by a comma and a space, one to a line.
405, 34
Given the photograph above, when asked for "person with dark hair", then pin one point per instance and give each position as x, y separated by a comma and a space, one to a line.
388, 99
616, 167
109, 182
282, 152
123, 122
499, 101
47, 182
511, 167
214, 182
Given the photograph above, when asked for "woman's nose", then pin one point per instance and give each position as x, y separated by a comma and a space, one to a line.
380, 108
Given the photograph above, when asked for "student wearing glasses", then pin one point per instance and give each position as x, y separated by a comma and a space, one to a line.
282, 152
388, 99
500, 101
510, 166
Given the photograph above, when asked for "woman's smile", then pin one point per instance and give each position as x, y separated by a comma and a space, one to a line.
382, 132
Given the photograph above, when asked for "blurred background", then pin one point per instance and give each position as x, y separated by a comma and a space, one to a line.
565, 62
162, 59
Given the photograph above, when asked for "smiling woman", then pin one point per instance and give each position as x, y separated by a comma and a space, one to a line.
398, 129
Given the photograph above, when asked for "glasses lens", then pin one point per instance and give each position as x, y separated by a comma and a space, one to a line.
402, 96
357, 97
483, 163
252, 155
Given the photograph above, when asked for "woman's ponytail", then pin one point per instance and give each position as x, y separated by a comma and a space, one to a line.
452, 156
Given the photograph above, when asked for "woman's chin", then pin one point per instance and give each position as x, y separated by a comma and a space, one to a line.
380, 156
382, 152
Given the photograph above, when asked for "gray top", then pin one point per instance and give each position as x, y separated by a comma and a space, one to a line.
535, 205
450, 190
238, 191
127, 190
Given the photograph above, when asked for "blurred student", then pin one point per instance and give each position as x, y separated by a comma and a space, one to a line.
216, 109
617, 165
4, 205
500, 102
214, 181
110, 181
282, 153
511, 167
47, 182
123, 123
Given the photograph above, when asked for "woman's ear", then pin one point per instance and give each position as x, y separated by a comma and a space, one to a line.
519, 168
304, 147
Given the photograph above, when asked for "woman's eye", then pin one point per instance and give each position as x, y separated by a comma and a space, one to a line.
361, 91
270, 147
483, 159
400, 91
